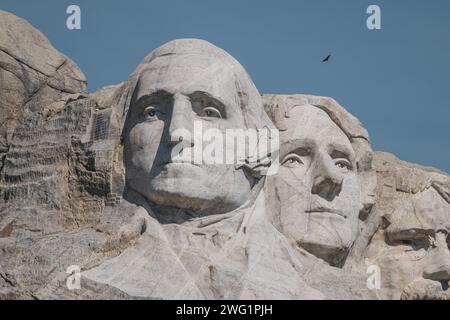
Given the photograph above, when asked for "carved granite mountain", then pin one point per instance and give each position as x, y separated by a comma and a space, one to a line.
65, 198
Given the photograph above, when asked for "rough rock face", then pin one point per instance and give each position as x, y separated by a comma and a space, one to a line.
55, 160
33, 74
92, 180
411, 244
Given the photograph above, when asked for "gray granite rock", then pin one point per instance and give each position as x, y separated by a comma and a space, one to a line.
100, 181
411, 244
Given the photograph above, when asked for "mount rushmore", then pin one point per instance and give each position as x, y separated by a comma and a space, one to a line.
92, 180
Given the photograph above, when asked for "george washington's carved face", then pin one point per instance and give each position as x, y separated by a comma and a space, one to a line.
318, 185
172, 95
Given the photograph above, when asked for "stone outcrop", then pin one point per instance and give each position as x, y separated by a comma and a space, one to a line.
411, 242
89, 180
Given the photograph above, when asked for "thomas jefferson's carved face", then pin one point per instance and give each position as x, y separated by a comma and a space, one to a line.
318, 185
172, 93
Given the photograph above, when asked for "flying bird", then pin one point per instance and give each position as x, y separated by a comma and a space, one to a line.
327, 58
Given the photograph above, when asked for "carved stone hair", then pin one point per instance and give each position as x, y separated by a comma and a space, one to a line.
278, 108
248, 97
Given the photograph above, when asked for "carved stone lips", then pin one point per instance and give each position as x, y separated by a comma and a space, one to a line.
326, 210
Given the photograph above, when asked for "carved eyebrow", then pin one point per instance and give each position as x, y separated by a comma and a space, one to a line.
152, 97
408, 233
337, 150
299, 146
217, 103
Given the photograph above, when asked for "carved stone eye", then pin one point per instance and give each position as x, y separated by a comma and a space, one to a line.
149, 112
211, 112
292, 161
343, 164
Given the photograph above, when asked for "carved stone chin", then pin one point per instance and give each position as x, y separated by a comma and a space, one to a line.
318, 183
185, 85
109, 185
319, 159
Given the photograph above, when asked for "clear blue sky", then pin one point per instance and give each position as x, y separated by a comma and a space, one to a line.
395, 80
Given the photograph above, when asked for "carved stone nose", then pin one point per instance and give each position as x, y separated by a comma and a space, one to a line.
181, 122
327, 186
327, 181
438, 267
438, 272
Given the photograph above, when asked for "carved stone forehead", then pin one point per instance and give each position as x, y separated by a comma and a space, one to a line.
190, 73
194, 51
199, 55
279, 107
426, 210
312, 123
190, 46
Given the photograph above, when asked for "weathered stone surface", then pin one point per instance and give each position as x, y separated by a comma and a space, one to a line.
325, 186
92, 180
411, 243
53, 183
33, 74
